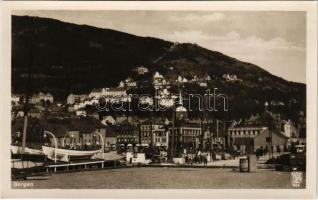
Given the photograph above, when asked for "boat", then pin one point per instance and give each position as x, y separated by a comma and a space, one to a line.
27, 150
67, 154
29, 154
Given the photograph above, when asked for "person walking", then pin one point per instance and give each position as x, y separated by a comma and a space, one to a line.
205, 160
257, 153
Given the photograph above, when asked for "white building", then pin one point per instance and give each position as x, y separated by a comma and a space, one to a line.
73, 98
80, 112
110, 94
15, 99
159, 81
121, 84
37, 98
203, 84
130, 83
141, 70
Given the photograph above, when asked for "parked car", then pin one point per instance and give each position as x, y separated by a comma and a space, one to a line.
291, 162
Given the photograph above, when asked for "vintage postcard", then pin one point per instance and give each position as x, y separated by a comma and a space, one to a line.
159, 99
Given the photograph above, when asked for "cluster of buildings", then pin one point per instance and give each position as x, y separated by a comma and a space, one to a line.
180, 134
34, 99
78, 102
74, 126
231, 77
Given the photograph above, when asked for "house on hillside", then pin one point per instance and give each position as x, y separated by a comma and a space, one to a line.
37, 98
141, 70
130, 83
74, 98
110, 94
15, 99
96, 92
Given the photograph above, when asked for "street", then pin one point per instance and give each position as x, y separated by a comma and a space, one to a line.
164, 178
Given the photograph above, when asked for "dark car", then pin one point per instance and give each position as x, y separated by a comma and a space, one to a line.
291, 162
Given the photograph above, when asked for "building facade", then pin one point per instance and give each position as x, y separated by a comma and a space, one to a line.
248, 139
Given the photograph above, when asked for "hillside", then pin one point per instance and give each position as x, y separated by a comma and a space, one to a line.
69, 57
66, 58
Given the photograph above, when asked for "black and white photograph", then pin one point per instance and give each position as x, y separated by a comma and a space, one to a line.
159, 99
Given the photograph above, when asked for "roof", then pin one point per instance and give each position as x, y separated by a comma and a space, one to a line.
59, 127
114, 130
96, 90
116, 89
247, 127
153, 122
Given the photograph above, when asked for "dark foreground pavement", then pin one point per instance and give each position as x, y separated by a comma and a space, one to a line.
163, 178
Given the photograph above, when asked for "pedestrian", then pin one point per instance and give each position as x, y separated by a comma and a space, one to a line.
257, 153
205, 159
261, 151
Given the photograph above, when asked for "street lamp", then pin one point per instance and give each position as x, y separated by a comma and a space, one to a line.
102, 139
55, 142
269, 121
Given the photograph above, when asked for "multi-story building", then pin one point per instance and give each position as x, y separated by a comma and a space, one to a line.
247, 139
110, 94
76, 132
186, 136
127, 136
153, 133
213, 140
161, 138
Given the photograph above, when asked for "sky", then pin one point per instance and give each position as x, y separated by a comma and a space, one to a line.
273, 40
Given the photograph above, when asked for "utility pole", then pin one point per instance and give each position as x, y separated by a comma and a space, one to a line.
211, 141
270, 137
28, 88
172, 136
268, 115
217, 133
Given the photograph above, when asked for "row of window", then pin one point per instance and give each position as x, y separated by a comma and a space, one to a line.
126, 140
148, 127
145, 141
249, 132
160, 140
